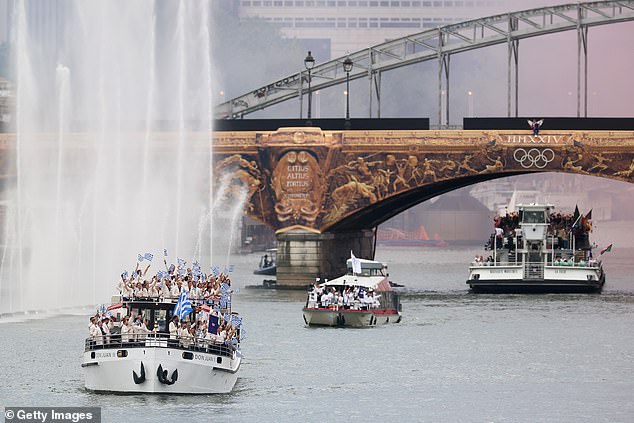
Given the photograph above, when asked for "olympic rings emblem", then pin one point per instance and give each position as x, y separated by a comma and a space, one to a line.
534, 157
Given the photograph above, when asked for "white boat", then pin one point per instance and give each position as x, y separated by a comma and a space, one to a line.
534, 259
375, 302
154, 363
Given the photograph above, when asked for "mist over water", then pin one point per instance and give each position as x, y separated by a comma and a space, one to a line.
112, 149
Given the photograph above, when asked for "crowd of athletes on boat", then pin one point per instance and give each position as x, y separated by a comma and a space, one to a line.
561, 227
105, 329
167, 286
210, 294
346, 298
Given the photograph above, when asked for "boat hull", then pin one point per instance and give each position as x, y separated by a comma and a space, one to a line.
349, 318
503, 279
267, 271
200, 373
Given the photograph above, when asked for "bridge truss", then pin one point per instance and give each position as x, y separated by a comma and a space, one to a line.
440, 44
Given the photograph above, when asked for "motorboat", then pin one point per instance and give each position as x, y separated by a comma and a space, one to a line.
267, 264
360, 298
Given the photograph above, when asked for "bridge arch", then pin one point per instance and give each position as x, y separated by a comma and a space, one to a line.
438, 45
329, 188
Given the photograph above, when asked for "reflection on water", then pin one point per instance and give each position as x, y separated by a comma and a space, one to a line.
456, 356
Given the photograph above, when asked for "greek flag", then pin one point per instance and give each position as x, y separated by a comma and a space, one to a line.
124, 275
183, 306
227, 317
243, 334
148, 256
181, 262
196, 265
236, 321
224, 288
215, 270
172, 268
140, 258
165, 252
160, 275
229, 269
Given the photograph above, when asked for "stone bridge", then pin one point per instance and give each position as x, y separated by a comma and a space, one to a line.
325, 191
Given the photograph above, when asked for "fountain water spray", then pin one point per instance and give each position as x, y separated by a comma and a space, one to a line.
121, 169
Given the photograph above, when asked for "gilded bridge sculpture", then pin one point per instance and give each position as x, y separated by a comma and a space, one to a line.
311, 179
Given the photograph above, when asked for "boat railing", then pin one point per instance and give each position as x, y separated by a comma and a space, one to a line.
159, 340
591, 264
171, 300
355, 306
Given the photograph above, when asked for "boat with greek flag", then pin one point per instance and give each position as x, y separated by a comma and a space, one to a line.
159, 353
539, 250
362, 297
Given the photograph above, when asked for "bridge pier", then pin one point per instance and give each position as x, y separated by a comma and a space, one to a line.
303, 255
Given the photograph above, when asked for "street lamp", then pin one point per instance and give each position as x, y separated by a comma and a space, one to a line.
347, 67
309, 63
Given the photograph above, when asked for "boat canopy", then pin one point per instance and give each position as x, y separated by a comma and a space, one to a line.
375, 283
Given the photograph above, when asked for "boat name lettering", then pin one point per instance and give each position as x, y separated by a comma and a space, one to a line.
560, 270
203, 357
503, 271
104, 355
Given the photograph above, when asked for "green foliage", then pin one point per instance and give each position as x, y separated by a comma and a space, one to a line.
250, 53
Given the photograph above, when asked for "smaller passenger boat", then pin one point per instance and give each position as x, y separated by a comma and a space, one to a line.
267, 264
357, 299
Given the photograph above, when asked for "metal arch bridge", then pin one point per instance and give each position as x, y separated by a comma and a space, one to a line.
439, 44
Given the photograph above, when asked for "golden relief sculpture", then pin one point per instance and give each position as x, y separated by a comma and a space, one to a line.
298, 185
314, 179
237, 174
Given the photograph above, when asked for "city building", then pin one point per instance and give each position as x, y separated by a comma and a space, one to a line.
6, 102
330, 28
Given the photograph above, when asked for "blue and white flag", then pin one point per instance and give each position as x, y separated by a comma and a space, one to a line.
160, 275
215, 270
125, 275
183, 306
196, 265
236, 321
243, 334
229, 269
148, 256
227, 317
224, 288
172, 268
181, 262
140, 258
165, 252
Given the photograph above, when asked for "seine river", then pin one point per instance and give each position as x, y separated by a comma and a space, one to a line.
456, 356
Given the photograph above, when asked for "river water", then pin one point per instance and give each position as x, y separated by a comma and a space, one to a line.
455, 357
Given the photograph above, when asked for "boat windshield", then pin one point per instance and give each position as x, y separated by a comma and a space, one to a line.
534, 216
367, 272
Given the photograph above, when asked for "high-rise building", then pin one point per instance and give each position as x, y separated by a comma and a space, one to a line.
330, 28
6, 11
